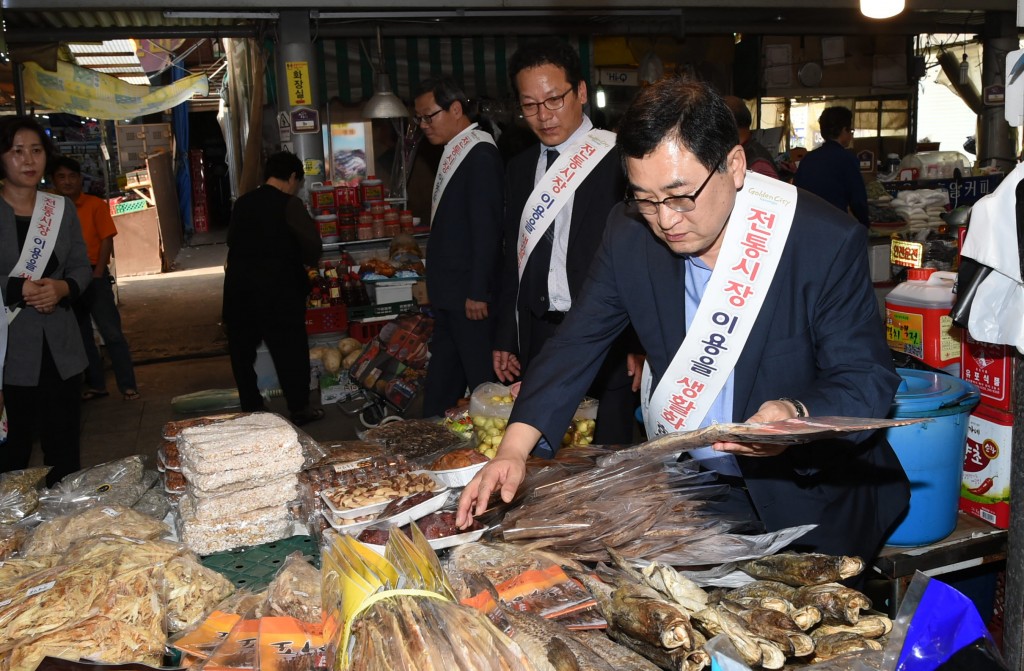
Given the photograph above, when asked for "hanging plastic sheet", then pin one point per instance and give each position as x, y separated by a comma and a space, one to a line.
993, 301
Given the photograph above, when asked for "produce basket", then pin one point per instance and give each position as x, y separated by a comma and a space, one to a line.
331, 319
126, 206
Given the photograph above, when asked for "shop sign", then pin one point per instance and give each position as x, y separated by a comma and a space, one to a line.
619, 77
904, 253
305, 120
994, 95
299, 85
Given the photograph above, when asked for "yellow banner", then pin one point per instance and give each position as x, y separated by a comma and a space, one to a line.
88, 93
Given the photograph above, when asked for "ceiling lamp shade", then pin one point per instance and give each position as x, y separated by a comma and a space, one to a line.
384, 104
881, 9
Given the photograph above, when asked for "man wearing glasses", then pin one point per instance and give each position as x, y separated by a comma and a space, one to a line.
464, 259
558, 197
753, 302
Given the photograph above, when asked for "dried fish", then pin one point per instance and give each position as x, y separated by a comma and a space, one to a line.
549, 642
798, 569
772, 657
638, 611
776, 627
717, 620
672, 660
834, 601
758, 589
871, 626
839, 643
676, 586
620, 657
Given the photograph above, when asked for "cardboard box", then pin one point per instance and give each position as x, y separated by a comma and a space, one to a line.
419, 293
990, 368
985, 484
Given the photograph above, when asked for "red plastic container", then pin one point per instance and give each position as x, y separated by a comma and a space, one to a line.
364, 332
332, 319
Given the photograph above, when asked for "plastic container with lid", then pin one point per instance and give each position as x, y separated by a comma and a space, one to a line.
322, 197
391, 225
347, 225
371, 189
917, 318
364, 228
931, 453
378, 225
405, 221
328, 224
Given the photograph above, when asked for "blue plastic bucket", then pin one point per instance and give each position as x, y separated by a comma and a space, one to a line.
932, 453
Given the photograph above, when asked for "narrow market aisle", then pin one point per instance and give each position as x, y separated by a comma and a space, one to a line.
172, 321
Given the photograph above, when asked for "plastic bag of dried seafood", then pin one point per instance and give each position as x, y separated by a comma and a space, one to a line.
55, 536
121, 482
19, 493
12, 536
295, 590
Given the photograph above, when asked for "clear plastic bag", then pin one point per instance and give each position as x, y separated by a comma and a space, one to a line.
19, 493
295, 590
121, 482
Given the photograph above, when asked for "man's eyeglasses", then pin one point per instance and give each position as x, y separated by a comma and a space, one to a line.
553, 103
427, 119
676, 203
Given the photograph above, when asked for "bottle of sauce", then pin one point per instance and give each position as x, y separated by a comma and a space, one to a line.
371, 190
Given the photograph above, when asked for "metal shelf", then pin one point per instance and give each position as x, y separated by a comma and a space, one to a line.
375, 242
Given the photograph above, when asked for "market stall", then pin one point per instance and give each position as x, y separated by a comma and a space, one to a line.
253, 546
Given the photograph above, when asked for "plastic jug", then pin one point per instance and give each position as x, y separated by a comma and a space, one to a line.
917, 319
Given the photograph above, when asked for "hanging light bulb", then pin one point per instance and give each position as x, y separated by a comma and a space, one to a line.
602, 98
881, 9
965, 69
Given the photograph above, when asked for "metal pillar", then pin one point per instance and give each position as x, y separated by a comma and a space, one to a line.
997, 140
296, 48
19, 88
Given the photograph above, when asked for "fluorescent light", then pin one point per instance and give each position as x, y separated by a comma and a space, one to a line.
222, 15
602, 100
881, 9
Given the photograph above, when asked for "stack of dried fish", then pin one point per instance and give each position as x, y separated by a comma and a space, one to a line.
800, 615
646, 510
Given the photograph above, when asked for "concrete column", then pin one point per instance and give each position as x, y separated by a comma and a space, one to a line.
296, 46
997, 140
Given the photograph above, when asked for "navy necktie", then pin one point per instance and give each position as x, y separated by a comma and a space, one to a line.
552, 156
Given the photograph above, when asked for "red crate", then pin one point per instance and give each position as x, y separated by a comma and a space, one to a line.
364, 332
326, 320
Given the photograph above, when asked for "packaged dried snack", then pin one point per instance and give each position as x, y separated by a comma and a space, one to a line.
121, 482
203, 639
295, 590
19, 493
56, 536
191, 590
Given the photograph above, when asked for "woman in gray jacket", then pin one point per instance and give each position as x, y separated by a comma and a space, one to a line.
43, 266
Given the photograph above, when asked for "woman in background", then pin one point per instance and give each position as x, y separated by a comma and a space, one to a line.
43, 266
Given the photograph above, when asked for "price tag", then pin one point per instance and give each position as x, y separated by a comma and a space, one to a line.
110, 512
39, 589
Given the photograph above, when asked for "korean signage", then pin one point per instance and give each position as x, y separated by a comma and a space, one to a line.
300, 88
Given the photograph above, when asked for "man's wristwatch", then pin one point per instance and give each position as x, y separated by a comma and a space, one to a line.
801, 409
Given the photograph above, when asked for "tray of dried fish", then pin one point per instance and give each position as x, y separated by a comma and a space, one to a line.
367, 498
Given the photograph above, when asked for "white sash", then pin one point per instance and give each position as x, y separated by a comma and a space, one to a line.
456, 152
39, 241
556, 188
754, 240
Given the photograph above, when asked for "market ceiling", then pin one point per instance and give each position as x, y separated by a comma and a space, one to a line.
67, 20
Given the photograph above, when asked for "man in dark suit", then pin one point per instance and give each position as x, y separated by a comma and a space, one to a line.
464, 258
539, 287
805, 339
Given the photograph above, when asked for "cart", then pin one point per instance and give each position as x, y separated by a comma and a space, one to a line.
390, 370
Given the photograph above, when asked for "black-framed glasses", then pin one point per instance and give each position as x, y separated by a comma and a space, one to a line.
420, 119
554, 103
676, 203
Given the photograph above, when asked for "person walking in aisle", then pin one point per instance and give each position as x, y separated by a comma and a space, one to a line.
97, 300
558, 195
43, 270
759, 159
831, 171
464, 257
271, 241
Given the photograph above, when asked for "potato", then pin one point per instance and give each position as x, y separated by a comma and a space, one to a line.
348, 345
332, 360
350, 359
317, 352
